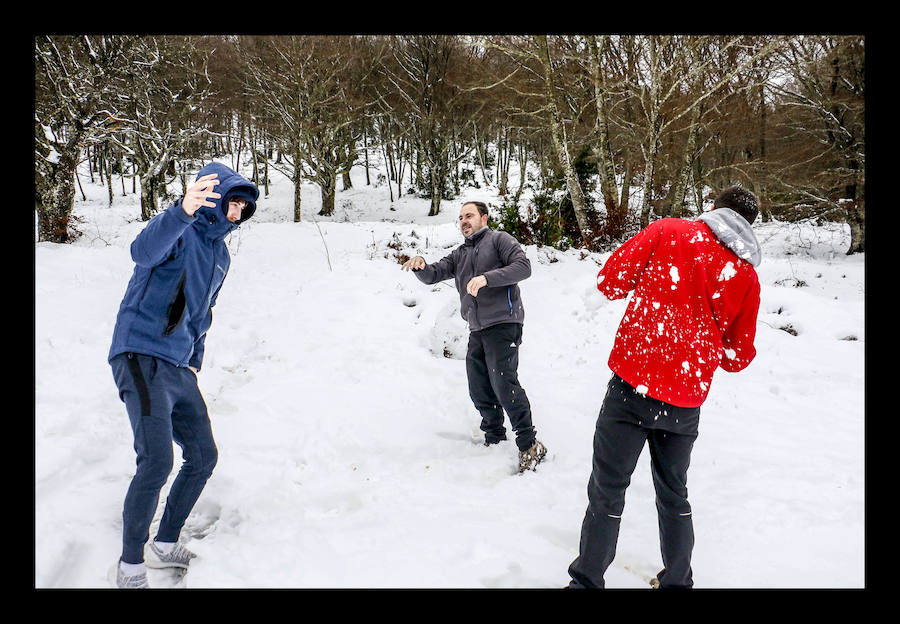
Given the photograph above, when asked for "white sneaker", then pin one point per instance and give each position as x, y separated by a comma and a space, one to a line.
178, 557
130, 581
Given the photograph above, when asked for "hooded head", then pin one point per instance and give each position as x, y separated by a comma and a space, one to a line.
734, 209
248, 194
739, 199
231, 185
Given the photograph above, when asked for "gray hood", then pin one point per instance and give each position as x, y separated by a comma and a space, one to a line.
734, 232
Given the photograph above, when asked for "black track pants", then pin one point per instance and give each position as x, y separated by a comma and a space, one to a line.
627, 420
492, 362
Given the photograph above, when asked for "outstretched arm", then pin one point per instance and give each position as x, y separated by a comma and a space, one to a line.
445, 268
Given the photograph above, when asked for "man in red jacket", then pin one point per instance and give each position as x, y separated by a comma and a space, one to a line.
694, 308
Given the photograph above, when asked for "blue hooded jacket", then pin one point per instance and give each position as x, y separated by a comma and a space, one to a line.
181, 262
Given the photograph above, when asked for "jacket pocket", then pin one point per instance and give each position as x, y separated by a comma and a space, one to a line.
177, 307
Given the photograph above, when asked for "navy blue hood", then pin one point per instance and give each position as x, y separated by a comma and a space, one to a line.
231, 184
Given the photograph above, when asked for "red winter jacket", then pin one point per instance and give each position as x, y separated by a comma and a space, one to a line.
694, 307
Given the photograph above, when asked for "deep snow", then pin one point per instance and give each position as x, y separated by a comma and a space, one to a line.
350, 453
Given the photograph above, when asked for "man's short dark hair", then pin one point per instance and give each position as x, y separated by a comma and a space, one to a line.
482, 207
740, 200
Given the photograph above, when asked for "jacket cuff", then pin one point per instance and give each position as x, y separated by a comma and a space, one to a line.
178, 211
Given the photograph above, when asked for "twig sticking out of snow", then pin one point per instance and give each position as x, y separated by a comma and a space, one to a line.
327, 255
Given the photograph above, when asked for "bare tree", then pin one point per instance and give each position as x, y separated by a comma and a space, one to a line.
541, 95
313, 86
167, 84
76, 81
424, 82
616, 204
672, 86
819, 152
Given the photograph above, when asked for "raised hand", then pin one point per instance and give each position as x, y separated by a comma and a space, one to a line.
198, 193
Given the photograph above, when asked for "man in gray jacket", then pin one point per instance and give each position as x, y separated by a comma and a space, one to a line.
487, 268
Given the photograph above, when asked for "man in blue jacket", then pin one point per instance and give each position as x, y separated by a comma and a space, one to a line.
157, 350
486, 269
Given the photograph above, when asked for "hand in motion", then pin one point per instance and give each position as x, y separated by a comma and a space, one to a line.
198, 193
475, 284
417, 262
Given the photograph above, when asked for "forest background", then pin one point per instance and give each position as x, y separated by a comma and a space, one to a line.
677, 117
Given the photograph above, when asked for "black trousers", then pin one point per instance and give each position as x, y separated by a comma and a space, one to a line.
492, 363
627, 420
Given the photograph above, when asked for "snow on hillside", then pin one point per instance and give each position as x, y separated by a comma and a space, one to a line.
350, 453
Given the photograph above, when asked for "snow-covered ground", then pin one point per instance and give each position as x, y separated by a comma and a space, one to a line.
349, 451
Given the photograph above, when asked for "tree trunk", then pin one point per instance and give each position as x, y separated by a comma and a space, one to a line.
481, 149
401, 150
856, 214
522, 154
627, 175
78, 180
649, 172
236, 165
56, 198
366, 154
558, 135
420, 178
298, 180
615, 215
651, 148
503, 158
148, 196
267, 154
387, 161
253, 154
328, 184
687, 159
109, 181
298, 201
435, 191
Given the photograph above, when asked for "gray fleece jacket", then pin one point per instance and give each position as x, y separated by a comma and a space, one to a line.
499, 257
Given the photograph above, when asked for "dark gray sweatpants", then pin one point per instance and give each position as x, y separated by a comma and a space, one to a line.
627, 420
